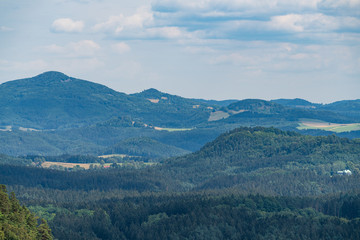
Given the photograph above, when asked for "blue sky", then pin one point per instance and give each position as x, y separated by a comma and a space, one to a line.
212, 49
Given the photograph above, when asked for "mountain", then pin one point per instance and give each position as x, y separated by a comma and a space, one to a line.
54, 100
297, 102
272, 161
172, 110
54, 114
220, 103
259, 112
255, 105
345, 105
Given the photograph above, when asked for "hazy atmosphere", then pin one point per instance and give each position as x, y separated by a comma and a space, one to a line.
212, 49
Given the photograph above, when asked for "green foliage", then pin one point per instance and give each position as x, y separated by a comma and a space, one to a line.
17, 222
4, 159
213, 216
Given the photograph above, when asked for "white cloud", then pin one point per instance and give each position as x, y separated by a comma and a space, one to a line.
312, 22
67, 25
121, 47
141, 25
116, 24
84, 48
280, 58
166, 32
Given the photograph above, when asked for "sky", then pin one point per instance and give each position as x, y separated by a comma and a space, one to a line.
211, 49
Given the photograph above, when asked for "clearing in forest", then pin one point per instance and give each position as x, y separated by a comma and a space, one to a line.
306, 124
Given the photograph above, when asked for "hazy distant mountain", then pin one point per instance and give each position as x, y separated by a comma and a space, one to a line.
345, 105
171, 110
256, 105
220, 103
53, 100
297, 102
53, 113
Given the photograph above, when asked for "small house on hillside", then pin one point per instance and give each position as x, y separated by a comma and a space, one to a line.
346, 172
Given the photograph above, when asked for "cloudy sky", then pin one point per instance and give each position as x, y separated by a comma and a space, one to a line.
213, 49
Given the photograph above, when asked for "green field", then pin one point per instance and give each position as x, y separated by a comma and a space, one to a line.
306, 124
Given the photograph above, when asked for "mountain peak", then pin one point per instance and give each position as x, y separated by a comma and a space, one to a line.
151, 93
52, 75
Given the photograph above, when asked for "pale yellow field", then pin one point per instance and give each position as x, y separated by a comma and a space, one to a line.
327, 126
68, 165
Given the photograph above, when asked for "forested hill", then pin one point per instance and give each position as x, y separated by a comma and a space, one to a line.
54, 100
272, 161
54, 114
284, 110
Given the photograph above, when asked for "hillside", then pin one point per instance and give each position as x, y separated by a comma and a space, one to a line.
297, 102
251, 160
270, 160
54, 114
255, 105
145, 147
255, 183
54, 100
345, 105
172, 110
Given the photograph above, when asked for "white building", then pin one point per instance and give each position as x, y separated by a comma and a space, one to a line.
344, 172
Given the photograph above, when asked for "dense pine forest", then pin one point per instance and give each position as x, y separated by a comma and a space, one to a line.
249, 183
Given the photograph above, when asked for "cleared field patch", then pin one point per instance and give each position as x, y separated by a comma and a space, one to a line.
6, 129
218, 115
86, 166
29, 129
172, 129
113, 155
306, 124
67, 165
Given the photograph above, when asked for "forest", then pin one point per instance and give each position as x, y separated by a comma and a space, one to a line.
249, 183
